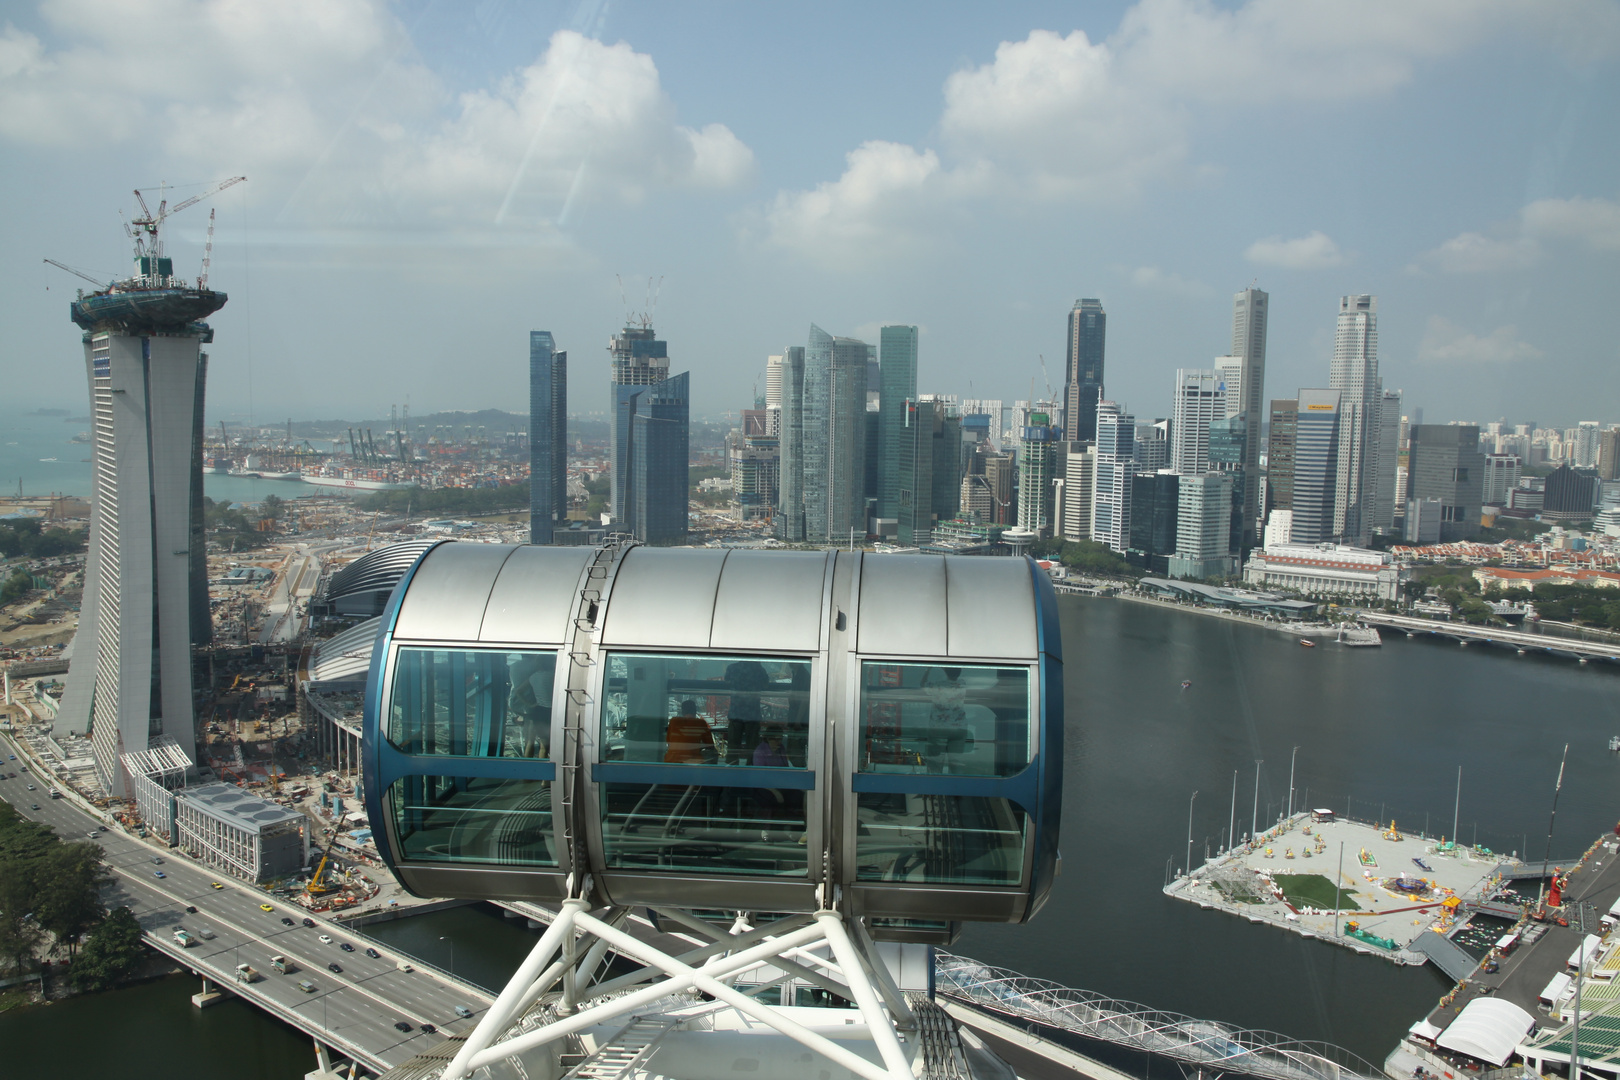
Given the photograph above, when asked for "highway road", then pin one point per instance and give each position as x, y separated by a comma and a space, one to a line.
356, 1007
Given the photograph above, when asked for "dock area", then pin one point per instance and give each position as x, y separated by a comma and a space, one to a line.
1534, 971
1391, 890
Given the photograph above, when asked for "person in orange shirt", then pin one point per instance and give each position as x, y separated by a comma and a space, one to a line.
689, 740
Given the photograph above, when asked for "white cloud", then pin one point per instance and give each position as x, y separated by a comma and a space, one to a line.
1444, 342
1157, 280
1580, 222
1310, 252
325, 106
888, 192
1063, 117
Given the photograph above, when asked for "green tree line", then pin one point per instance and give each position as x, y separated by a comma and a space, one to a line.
50, 896
1085, 555
26, 538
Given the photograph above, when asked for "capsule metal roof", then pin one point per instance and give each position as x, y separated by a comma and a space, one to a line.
761, 601
376, 571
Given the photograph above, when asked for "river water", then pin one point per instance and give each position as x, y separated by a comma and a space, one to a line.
1381, 732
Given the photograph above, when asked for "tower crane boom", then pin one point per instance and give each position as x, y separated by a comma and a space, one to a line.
77, 273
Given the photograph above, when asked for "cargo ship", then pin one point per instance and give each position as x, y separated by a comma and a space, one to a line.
354, 483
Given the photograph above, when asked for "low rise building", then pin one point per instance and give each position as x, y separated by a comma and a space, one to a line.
1503, 578
1327, 570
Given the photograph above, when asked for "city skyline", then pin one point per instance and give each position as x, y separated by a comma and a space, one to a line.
423, 172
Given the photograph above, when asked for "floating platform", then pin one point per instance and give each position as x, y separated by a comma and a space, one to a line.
1308, 893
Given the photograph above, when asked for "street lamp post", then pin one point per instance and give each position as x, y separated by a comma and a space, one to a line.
452, 953
1291, 759
1254, 818
1189, 832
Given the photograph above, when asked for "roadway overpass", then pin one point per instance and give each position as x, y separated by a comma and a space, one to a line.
351, 1012
1466, 633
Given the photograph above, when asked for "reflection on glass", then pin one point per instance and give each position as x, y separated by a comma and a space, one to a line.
707, 710
472, 702
694, 829
967, 720
473, 820
939, 839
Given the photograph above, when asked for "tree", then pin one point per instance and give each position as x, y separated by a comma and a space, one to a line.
69, 892
112, 951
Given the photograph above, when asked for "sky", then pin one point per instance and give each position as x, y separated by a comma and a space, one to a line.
428, 181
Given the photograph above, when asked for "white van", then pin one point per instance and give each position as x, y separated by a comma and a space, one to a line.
403, 966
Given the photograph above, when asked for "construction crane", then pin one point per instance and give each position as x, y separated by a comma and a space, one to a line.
208, 253
1050, 394
151, 224
77, 273
316, 886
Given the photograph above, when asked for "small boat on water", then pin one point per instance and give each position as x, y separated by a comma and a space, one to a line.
1307, 642
1187, 683
1614, 742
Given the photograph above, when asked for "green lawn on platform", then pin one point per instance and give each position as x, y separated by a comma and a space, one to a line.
1313, 890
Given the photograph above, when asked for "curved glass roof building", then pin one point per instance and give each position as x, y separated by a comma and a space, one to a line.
721, 729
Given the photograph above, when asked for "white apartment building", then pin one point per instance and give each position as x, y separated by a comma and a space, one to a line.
1200, 399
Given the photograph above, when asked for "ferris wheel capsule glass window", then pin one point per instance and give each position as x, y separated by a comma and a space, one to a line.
954, 720
748, 711
472, 702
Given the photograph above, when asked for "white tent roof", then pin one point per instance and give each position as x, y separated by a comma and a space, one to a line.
1555, 989
1487, 1030
1424, 1030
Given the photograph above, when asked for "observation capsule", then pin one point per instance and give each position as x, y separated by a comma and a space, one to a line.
721, 729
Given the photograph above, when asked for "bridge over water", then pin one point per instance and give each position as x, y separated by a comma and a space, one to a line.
1465, 634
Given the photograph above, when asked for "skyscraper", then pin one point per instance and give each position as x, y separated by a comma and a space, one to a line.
1585, 453
145, 601
1083, 372
1608, 465
548, 436
1037, 468
638, 359
1445, 464
1200, 399
1355, 375
1317, 450
1389, 443
1203, 526
1228, 452
1280, 454
897, 361
660, 459
790, 483
1111, 486
1073, 502
834, 437
1250, 311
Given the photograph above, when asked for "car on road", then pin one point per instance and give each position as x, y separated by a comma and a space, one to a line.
190, 910
308, 921
159, 873
429, 1028
463, 1012
157, 858
306, 986
345, 946
30, 787
326, 939
334, 967
266, 907
286, 921
92, 836
374, 954
33, 806
215, 885
101, 828
402, 1025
